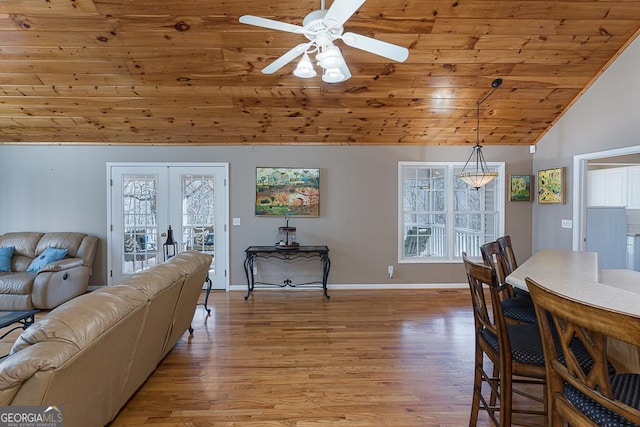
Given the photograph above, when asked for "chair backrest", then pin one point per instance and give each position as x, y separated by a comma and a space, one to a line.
493, 256
507, 250
571, 320
481, 277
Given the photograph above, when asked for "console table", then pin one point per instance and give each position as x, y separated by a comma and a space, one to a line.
254, 252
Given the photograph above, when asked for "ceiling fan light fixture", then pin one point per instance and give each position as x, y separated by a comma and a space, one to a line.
331, 57
304, 69
332, 75
323, 27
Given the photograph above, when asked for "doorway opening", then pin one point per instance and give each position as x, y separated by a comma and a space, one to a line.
591, 173
146, 199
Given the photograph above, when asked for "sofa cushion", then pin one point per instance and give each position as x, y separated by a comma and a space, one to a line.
24, 242
64, 240
16, 283
47, 256
6, 254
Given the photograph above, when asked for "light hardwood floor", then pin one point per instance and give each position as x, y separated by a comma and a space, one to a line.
291, 358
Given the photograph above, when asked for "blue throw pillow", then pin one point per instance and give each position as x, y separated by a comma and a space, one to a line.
5, 258
49, 255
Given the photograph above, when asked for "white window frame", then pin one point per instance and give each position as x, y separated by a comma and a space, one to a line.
450, 176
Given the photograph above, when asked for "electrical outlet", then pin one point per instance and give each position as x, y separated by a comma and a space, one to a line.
390, 271
255, 270
567, 223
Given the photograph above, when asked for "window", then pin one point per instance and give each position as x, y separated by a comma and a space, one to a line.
440, 216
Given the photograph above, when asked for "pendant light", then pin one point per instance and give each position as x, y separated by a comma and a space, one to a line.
475, 172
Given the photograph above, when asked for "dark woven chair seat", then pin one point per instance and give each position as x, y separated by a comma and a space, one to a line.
625, 388
526, 347
521, 293
520, 309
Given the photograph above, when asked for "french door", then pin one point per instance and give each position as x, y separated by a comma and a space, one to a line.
146, 199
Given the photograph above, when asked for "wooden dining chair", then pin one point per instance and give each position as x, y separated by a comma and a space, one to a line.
514, 351
510, 256
515, 308
594, 396
505, 246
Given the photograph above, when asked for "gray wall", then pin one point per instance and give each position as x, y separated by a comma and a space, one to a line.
51, 187
607, 116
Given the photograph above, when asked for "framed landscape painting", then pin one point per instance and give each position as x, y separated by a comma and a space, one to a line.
551, 186
287, 191
520, 188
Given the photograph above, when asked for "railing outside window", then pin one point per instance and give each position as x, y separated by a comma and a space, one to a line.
440, 216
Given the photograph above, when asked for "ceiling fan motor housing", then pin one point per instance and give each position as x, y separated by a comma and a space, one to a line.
314, 24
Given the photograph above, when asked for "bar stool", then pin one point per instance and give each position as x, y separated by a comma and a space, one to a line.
517, 309
507, 250
512, 264
591, 395
515, 351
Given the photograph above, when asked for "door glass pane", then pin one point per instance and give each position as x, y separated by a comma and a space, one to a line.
139, 217
198, 213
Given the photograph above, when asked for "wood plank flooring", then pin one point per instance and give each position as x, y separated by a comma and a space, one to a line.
292, 358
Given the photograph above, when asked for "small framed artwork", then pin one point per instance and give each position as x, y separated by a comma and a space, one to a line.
520, 188
551, 186
287, 192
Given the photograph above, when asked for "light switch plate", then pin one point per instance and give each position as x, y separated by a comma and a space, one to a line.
236, 221
567, 223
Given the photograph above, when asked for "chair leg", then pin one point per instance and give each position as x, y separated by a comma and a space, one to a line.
477, 387
494, 396
506, 393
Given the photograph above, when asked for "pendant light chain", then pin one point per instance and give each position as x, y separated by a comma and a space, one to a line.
480, 176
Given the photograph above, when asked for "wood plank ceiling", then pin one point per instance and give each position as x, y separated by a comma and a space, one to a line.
187, 72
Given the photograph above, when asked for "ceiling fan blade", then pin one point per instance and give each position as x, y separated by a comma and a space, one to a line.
270, 23
377, 47
340, 11
286, 58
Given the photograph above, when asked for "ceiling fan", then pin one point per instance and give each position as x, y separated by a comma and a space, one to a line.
322, 27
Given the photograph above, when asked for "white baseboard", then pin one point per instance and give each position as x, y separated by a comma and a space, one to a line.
365, 286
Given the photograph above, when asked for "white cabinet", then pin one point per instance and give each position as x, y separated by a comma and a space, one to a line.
633, 188
608, 187
596, 190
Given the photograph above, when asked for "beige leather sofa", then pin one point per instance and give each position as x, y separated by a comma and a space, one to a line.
91, 354
52, 284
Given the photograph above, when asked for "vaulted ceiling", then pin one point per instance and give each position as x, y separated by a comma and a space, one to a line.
187, 72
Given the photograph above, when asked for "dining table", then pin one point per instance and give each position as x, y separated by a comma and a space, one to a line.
575, 274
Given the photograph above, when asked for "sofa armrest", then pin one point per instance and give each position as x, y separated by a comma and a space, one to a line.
63, 264
22, 367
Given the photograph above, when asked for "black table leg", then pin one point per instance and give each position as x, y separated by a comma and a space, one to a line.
326, 266
206, 295
248, 271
